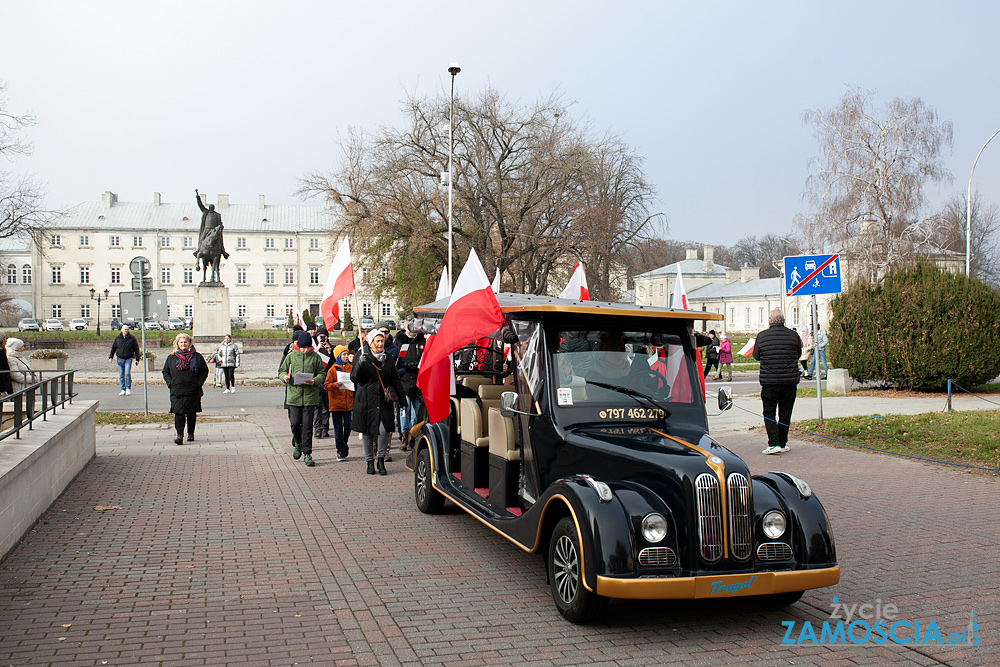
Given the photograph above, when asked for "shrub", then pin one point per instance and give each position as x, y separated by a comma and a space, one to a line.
49, 354
920, 327
346, 322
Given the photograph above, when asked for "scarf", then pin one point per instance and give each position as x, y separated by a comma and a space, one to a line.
185, 360
372, 335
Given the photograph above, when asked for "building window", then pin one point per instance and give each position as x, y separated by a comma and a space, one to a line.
289, 244
747, 316
269, 275
241, 275
56, 310
269, 310
188, 275
189, 311
241, 242
269, 243
188, 242
314, 244
84, 240
241, 310
385, 274
366, 309
164, 275
136, 241
732, 317
760, 316
289, 310
386, 310
662, 286
85, 310
314, 275
115, 241
56, 240
164, 241
84, 275
795, 315
56, 275
116, 310
116, 275
26, 274
346, 306
11, 274
289, 275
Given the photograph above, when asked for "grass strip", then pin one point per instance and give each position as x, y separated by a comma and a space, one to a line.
955, 437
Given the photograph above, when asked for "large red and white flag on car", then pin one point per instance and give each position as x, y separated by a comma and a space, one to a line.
577, 287
339, 284
473, 312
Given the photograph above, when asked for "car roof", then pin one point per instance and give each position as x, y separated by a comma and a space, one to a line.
533, 303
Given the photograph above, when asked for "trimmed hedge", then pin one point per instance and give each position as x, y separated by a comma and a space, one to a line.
920, 327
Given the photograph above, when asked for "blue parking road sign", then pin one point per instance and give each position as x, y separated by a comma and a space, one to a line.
812, 274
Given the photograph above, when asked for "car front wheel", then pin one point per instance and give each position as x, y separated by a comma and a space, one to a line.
574, 602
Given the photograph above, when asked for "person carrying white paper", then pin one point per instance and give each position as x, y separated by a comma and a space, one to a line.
303, 373
340, 397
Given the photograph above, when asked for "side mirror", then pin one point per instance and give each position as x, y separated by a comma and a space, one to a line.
508, 400
725, 398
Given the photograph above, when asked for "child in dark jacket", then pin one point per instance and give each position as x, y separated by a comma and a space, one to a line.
340, 399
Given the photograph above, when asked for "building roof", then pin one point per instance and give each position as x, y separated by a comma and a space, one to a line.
689, 267
762, 287
513, 303
149, 216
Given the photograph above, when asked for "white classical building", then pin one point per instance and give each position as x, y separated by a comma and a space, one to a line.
279, 258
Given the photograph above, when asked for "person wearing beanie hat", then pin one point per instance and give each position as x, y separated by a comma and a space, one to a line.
374, 375
725, 357
303, 372
340, 399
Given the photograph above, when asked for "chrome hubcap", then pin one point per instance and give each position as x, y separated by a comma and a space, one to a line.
566, 566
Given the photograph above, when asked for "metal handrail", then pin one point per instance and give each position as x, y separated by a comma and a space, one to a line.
55, 391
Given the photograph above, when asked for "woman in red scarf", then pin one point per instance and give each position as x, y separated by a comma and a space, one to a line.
185, 372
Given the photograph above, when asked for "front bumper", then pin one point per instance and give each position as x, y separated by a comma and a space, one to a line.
721, 586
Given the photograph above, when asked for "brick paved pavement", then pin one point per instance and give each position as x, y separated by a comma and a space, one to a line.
227, 551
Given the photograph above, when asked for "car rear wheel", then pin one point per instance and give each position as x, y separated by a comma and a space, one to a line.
574, 602
429, 501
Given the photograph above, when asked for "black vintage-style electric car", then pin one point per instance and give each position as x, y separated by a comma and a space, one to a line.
580, 432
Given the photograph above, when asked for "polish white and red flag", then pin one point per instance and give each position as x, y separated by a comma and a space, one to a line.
747, 350
680, 383
472, 313
339, 284
577, 287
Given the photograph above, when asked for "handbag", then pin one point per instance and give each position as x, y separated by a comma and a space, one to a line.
389, 392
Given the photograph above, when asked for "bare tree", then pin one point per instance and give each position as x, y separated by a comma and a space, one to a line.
533, 190
21, 197
867, 186
764, 251
984, 261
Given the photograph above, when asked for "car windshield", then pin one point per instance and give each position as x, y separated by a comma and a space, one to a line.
623, 375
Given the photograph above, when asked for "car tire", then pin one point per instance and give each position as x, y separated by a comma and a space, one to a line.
565, 566
429, 500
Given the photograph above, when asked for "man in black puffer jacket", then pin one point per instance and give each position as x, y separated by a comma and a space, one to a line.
778, 349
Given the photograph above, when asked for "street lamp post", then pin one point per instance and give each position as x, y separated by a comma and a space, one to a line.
968, 206
453, 69
97, 295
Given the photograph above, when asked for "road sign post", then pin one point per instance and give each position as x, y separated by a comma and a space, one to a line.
809, 275
139, 266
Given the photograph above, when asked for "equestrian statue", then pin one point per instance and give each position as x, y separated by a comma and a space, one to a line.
211, 248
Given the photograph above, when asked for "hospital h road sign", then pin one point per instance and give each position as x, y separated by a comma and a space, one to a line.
812, 274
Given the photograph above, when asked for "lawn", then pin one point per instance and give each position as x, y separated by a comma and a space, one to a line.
955, 437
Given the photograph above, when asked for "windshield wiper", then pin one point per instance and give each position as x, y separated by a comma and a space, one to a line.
631, 393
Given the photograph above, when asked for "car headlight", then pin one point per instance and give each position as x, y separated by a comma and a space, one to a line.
654, 527
774, 524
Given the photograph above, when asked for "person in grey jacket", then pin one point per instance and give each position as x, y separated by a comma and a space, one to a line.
228, 359
777, 349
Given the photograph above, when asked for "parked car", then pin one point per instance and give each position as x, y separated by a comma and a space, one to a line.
597, 456
28, 324
367, 323
153, 325
188, 322
279, 323
175, 323
237, 323
78, 324
390, 323
53, 324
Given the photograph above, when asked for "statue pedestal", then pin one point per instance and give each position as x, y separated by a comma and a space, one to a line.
211, 314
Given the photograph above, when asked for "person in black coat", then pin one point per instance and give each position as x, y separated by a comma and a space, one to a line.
373, 416
185, 371
6, 386
411, 349
778, 349
125, 350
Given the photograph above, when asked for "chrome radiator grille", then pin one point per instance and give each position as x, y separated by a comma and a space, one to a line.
774, 551
740, 517
657, 556
709, 502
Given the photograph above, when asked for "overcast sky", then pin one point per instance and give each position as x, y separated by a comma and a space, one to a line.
243, 98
